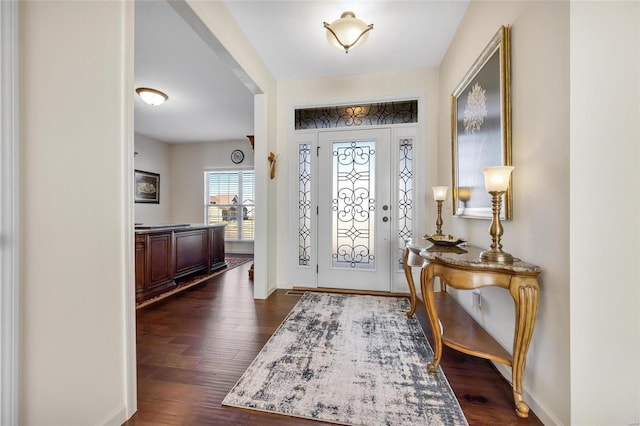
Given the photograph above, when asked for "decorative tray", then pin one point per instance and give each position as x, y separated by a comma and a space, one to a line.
444, 240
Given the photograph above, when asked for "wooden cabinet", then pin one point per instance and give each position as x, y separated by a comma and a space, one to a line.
141, 266
159, 267
165, 254
191, 251
217, 248
154, 267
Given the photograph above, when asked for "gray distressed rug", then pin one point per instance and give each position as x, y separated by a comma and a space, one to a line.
353, 360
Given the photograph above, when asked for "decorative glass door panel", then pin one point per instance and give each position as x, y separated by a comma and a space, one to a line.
353, 205
354, 212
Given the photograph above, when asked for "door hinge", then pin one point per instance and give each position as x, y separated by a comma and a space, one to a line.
317, 269
317, 210
318, 151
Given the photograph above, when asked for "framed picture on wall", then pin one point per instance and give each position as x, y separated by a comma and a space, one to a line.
481, 128
147, 187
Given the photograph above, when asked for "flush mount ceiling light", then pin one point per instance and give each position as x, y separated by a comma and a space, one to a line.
151, 96
347, 32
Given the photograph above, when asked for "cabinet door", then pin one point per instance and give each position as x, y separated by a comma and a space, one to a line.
191, 251
141, 268
159, 261
217, 247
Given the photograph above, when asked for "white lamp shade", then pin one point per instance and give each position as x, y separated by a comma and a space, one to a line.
496, 178
440, 193
347, 29
151, 96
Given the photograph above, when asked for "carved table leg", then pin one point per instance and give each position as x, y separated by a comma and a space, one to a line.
426, 285
525, 295
412, 286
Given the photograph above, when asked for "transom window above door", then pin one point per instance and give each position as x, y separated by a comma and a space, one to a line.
357, 115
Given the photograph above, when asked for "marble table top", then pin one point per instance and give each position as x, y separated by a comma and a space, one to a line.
466, 255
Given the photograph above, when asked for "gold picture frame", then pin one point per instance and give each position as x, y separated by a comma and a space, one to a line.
481, 129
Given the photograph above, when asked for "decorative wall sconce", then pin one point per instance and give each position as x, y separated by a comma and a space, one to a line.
439, 194
347, 32
151, 96
496, 181
272, 164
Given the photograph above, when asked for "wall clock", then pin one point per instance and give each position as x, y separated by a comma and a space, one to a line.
237, 156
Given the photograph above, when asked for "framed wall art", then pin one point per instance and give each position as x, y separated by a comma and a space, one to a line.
481, 128
147, 187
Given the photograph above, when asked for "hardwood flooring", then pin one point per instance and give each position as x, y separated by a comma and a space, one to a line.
194, 346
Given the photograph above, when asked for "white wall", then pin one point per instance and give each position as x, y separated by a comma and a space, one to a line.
153, 156
605, 225
409, 84
188, 162
539, 231
76, 234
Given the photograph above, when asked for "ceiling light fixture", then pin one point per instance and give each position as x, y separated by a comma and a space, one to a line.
347, 32
151, 96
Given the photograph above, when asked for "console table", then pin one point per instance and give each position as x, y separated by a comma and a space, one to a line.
461, 268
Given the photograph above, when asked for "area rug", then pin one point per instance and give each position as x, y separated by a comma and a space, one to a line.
348, 359
234, 262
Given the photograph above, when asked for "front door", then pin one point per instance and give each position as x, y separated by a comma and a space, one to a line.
354, 209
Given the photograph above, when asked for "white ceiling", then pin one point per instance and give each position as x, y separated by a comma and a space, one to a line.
207, 101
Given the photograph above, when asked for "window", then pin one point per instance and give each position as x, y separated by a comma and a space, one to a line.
230, 199
304, 204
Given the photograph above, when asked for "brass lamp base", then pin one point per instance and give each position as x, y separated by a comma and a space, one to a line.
495, 253
496, 256
439, 219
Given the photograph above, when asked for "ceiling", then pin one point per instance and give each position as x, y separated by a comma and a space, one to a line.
208, 102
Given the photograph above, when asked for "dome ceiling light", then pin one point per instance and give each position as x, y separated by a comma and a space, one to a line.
348, 31
151, 96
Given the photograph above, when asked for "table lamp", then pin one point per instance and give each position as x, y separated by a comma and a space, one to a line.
496, 182
439, 194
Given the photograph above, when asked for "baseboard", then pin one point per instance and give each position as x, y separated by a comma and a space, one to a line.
270, 291
545, 416
116, 418
284, 286
347, 291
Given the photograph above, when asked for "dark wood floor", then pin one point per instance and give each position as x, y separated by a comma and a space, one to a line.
193, 347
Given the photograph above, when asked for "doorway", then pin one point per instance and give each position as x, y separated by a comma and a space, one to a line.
203, 38
354, 209
354, 242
